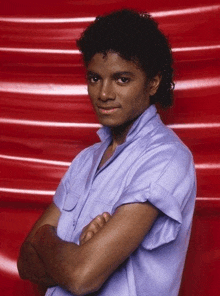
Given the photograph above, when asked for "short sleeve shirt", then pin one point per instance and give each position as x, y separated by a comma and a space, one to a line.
152, 165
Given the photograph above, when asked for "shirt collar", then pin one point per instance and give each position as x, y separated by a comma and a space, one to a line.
105, 132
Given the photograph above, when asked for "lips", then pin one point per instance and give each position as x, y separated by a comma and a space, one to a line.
107, 110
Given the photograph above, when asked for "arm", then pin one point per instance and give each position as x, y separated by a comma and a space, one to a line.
30, 266
83, 269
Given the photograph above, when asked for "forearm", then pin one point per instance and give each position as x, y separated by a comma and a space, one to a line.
83, 269
31, 267
60, 258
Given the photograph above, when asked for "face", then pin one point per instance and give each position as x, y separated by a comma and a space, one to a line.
118, 89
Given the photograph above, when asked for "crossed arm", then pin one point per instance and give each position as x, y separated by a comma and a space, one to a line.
105, 243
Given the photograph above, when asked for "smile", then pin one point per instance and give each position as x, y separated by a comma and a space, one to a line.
107, 111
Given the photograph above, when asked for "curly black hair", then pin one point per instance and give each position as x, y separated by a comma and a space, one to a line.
135, 36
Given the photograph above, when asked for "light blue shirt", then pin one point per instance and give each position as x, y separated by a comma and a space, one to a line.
151, 165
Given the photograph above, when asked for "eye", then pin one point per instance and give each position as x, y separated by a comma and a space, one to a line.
93, 78
123, 80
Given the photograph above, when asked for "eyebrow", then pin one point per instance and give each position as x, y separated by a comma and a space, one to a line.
91, 73
119, 73
124, 73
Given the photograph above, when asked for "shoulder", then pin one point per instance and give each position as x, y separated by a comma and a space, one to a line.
82, 158
162, 153
175, 153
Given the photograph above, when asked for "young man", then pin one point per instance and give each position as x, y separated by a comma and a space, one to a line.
121, 217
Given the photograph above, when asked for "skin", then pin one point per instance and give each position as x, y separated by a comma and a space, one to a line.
34, 270
119, 92
93, 227
29, 264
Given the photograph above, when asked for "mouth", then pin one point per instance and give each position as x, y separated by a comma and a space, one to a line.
108, 110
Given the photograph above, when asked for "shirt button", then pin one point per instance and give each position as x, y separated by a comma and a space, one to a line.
74, 224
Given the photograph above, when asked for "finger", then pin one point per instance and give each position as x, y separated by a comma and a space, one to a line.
106, 216
100, 220
92, 229
84, 231
82, 235
87, 237
94, 226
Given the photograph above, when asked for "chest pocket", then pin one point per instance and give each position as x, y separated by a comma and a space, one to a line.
68, 217
70, 202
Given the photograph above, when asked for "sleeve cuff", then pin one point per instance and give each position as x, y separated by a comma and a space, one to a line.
167, 225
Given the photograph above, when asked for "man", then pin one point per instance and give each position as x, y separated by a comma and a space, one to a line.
121, 216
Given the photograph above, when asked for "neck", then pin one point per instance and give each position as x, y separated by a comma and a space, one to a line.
119, 134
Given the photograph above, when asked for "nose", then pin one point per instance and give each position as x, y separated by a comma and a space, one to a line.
106, 91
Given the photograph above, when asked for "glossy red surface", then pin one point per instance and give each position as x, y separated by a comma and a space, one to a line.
46, 118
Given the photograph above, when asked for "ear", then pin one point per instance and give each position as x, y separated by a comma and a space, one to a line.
154, 84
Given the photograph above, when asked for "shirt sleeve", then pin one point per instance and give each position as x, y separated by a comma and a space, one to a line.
169, 193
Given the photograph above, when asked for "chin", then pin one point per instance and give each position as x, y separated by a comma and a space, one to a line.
108, 122
110, 125
117, 125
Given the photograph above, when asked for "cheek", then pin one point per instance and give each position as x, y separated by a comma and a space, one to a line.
92, 93
137, 96
128, 95
140, 102
90, 90
138, 90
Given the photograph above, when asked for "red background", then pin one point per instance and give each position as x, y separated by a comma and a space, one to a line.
39, 135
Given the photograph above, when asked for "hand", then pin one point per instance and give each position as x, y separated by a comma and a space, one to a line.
31, 267
93, 227
42, 233
82, 269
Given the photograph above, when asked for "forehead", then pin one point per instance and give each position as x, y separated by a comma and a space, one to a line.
111, 63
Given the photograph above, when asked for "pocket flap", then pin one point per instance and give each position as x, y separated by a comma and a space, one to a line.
70, 202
